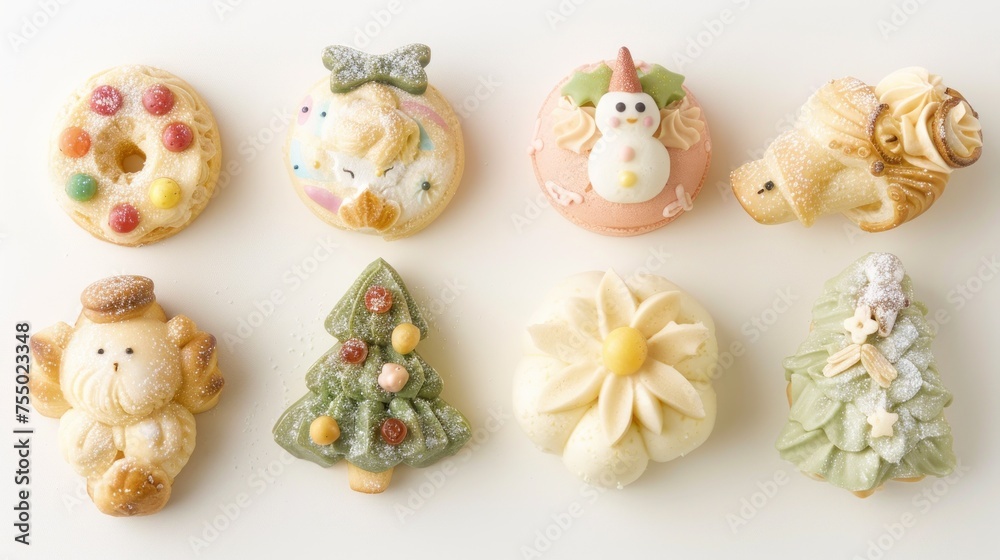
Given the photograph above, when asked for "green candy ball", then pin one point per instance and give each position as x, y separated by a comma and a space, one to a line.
81, 187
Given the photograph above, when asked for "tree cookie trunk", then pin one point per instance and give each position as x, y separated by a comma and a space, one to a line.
368, 482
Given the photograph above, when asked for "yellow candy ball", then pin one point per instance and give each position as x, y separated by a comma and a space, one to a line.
324, 430
405, 338
627, 178
625, 351
164, 193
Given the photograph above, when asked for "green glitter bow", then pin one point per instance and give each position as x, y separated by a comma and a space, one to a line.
402, 68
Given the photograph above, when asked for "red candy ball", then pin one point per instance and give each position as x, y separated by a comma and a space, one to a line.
177, 137
378, 300
158, 100
393, 431
354, 351
123, 218
105, 100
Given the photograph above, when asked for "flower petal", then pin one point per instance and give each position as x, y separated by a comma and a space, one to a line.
675, 342
573, 386
672, 388
614, 406
615, 303
648, 409
655, 312
559, 340
581, 315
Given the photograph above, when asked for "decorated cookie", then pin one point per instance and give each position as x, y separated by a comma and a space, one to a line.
879, 155
616, 374
126, 384
375, 148
867, 403
621, 148
136, 155
372, 399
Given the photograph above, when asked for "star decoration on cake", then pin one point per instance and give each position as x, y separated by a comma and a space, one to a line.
663, 85
861, 324
588, 87
881, 422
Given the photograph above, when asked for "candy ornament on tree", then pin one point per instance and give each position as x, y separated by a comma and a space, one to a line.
373, 400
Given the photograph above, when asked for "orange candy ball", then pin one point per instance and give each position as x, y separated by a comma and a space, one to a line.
74, 142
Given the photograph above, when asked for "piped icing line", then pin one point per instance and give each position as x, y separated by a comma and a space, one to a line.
536, 142
684, 203
561, 195
414, 108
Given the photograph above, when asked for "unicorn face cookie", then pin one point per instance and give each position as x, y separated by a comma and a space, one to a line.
375, 148
621, 148
879, 155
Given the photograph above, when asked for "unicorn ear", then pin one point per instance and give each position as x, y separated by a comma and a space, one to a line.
425, 141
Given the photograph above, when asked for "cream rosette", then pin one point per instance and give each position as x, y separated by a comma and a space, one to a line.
939, 129
616, 374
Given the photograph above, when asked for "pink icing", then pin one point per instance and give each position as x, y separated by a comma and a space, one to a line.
615, 122
323, 197
569, 170
414, 108
628, 154
647, 122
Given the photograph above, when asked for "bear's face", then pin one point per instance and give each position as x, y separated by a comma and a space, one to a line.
119, 371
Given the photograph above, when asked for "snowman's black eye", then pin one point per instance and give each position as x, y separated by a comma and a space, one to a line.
323, 114
296, 166
426, 186
620, 107
640, 107
305, 109
100, 350
128, 350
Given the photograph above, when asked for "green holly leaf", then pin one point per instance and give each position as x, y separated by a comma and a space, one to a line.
588, 87
662, 85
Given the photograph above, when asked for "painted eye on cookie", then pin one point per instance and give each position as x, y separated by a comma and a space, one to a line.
100, 350
346, 170
129, 351
425, 186
620, 107
767, 186
640, 107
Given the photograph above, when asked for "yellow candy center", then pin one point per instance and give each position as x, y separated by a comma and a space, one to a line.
625, 351
164, 193
627, 178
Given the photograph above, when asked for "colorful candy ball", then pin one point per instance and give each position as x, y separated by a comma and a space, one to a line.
81, 187
164, 193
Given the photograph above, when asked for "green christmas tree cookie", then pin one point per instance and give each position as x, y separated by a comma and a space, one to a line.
866, 401
372, 399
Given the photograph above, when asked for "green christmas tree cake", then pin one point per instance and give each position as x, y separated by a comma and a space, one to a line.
372, 399
866, 401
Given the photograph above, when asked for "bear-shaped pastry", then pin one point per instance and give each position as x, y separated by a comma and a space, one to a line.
126, 384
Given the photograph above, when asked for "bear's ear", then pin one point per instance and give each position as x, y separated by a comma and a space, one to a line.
117, 298
180, 330
47, 347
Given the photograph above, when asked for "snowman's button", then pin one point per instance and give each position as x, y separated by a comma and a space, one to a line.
627, 179
627, 153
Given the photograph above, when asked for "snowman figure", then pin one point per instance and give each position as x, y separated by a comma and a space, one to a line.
628, 164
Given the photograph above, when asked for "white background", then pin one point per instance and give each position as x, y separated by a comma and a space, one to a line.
256, 60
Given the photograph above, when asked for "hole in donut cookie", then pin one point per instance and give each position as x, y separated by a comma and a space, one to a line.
130, 158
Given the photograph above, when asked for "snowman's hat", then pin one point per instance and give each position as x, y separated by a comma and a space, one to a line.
624, 77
